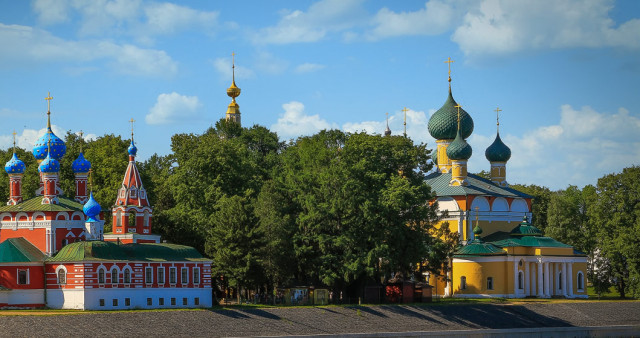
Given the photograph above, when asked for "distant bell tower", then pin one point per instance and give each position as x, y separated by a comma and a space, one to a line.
233, 111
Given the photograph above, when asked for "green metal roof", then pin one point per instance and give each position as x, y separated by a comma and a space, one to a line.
498, 151
19, 250
479, 248
439, 183
459, 149
35, 204
111, 251
443, 124
531, 241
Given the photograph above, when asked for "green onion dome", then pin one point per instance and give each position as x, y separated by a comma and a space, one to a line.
498, 151
434, 158
14, 166
459, 149
477, 230
443, 124
525, 229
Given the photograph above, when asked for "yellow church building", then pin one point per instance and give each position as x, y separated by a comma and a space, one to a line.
502, 254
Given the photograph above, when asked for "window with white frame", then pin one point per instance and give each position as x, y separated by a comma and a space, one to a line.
101, 276
161, 279
520, 280
196, 275
114, 276
580, 281
62, 276
127, 275
184, 276
23, 276
172, 275
148, 275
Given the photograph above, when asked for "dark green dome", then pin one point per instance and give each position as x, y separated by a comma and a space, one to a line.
525, 229
498, 151
459, 149
434, 158
443, 124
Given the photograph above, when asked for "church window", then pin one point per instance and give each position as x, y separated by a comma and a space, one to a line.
23, 277
101, 301
580, 281
64, 242
520, 280
184, 276
148, 275
160, 301
196, 275
114, 276
115, 302
172, 275
173, 301
161, 279
149, 301
184, 301
119, 218
127, 276
101, 276
196, 301
132, 219
132, 193
62, 277
146, 218
489, 283
127, 302
463, 283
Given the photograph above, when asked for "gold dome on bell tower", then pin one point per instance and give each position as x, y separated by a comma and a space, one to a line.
233, 111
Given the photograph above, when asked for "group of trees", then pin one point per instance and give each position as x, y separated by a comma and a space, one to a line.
335, 209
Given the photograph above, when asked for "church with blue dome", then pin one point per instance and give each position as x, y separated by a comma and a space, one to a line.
43, 239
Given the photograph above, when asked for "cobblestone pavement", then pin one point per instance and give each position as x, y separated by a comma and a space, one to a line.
329, 320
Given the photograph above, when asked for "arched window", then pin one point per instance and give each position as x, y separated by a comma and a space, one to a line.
127, 276
580, 281
520, 280
114, 276
132, 219
146, 218
463, 283
489, 283
101, 276
62, 277
119, 218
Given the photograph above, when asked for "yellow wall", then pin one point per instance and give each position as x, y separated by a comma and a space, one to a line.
583, 268
477, 273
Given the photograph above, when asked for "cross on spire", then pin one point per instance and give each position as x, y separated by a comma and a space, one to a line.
81, 139
458, 106
49, 98
449, 62
132, 121
233, 66
405, 110
14, 141
498, 110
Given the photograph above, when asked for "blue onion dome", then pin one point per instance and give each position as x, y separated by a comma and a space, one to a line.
132, 150
14, 166
498, 151
58, 148
459, 149
443, 124
49, 165
81, 165
92, 208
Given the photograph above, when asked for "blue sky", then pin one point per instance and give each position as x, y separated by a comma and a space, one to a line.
565, 73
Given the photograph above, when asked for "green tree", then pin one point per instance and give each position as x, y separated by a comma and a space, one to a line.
567, 219
541, 198
30, 178
616, 213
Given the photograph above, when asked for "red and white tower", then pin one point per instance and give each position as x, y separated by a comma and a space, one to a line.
81, 169
132, 213
15, 168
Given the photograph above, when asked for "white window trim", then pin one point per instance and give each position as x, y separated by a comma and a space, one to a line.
196, 281
28, 281
580, 273
145, 275
124, 271
66, 275
161, 281
111, 275
104, 270
182, 274
173, 268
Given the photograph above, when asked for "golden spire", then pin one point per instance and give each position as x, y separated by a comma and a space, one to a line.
498, 110
14, 141
81, 140
49, 98
477, 210
233, 91
405, 110
458, 106
132, 120
90, 180
449, 62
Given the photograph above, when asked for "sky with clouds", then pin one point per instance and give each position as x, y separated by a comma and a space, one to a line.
566, 73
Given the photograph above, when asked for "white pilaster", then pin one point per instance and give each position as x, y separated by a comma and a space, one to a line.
564, 279
516, 288
540, 282
547, 280
527, 280
570, 279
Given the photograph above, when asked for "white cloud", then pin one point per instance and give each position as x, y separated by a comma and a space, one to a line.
320, 19
309, 67
295, 122
173, 108
28, 137
435, 18
32, 45
137, 18
502, 26
416, 125
582, 147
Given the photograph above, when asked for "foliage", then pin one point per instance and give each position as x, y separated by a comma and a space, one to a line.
540, 207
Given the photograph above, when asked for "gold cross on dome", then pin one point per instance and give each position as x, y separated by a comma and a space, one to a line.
48, 98
458, 106
498, 110
449, 62
14, 140
132, 121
